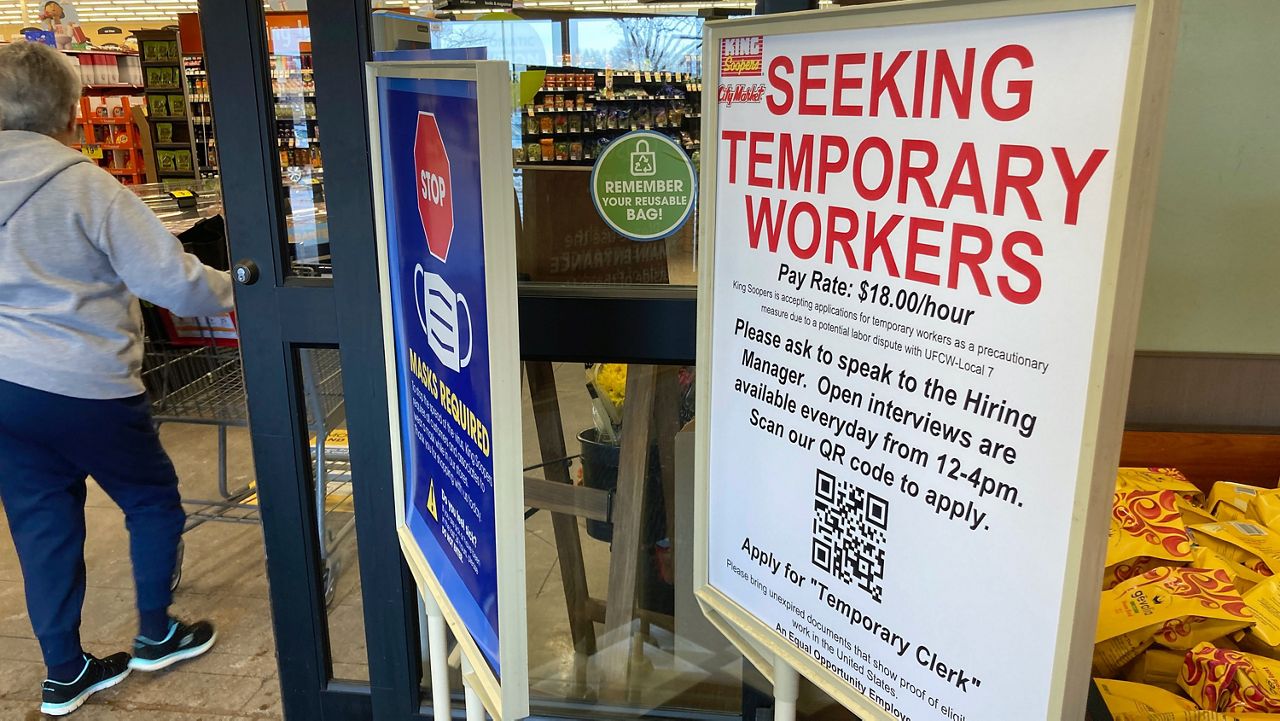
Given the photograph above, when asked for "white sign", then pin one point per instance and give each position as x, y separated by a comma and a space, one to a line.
915, 242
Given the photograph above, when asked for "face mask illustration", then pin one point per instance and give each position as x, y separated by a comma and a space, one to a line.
441, 313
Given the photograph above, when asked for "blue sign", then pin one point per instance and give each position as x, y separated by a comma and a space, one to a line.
440, 319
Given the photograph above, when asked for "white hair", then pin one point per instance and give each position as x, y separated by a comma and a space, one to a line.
39, 88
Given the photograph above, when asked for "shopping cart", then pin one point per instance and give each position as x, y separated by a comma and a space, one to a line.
192, 373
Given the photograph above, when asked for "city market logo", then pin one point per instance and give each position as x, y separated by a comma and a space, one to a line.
735, 94
742, 57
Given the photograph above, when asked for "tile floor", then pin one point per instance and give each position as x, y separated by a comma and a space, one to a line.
224, 580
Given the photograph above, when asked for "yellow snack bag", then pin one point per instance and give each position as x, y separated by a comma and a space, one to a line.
1242, 577
1175, 607
1264, 601
1209, 675
1226, 493
1244, 542
1158, 479
1126, 697
1228, 512
1157, 667
1125, 570
1265, 508
1231, 681
1193, 514
1146, 523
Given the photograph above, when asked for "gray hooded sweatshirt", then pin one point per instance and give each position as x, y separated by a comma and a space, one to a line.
77, 250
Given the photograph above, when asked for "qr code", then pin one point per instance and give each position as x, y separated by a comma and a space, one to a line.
849, 527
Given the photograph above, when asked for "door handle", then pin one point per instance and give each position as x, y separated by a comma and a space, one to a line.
246, 272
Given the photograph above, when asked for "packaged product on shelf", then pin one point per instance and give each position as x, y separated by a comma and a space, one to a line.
155, 50
574, 124
562, 152
157, 106
177, 105
1157, 667
575, 150
580, 101
562, 124
1264, 636
1127, 697
1265, 508
1175, 607
533, 152
548, 150
1244, 542
531, 124
660, 117
164, 132
165, 160
547, 124
517, 154
1235, 495
1146, 523
1231, 681
182, 160
558, 101
1243, 577
1193, 514
1159, 479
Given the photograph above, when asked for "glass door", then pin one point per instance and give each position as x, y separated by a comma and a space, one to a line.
614, 629
343, 607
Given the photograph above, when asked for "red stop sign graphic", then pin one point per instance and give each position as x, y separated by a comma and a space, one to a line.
435, 186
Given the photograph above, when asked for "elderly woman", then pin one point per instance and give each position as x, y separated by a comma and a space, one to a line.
77, 251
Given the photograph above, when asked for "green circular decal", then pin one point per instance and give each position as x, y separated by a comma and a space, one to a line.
643, 185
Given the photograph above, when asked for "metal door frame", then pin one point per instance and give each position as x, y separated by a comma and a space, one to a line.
280, 314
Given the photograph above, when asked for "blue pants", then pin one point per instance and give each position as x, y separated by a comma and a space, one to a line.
48, 445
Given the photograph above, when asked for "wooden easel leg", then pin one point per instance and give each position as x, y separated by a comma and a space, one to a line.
666, 423
573, 572
628, 517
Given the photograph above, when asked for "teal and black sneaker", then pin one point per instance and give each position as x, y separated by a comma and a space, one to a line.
61, 698
182, 642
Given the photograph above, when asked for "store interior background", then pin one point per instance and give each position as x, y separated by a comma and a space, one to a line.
1205, 396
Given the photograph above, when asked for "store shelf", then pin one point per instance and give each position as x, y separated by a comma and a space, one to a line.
109, 121
171, 146
167, 118
641, 100
543, 111
106, 87
163, 90
556, 166
97, 52
565, 134
161, 63
124, 171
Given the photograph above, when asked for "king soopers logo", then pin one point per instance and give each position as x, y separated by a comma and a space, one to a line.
742, 57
